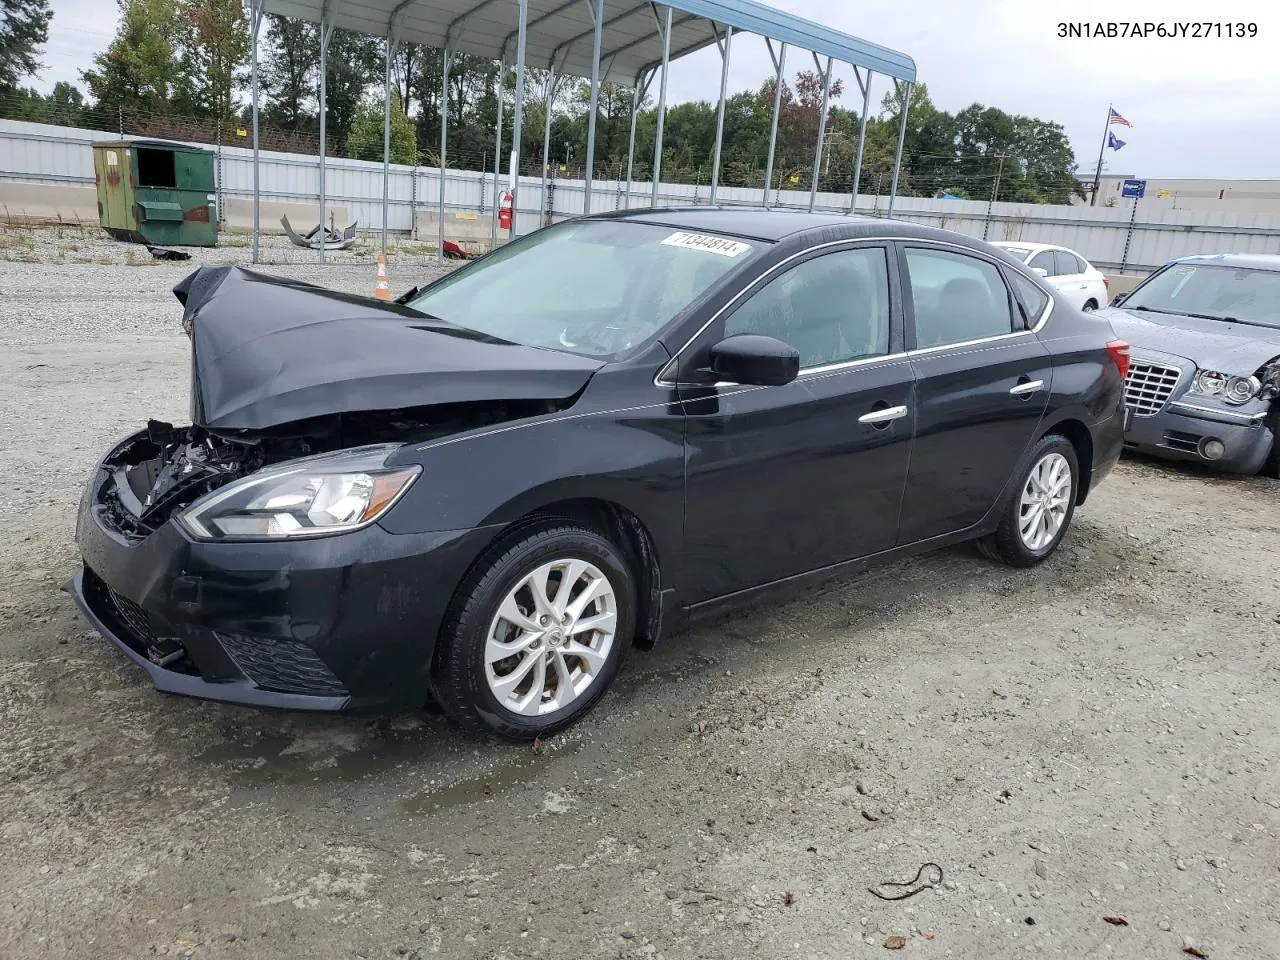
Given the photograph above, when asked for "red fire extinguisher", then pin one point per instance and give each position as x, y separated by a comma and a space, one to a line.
504, 211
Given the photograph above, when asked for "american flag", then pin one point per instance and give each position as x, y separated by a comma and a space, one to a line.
1116, 118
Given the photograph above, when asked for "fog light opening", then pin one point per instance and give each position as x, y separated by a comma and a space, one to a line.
1212, 449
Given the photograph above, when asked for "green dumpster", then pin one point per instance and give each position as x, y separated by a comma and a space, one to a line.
156, 192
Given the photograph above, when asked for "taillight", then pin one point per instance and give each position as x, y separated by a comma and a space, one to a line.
1119, 351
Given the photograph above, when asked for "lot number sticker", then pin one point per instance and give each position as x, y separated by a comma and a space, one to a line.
708, 243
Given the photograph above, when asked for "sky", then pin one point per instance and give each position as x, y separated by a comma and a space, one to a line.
1198, 107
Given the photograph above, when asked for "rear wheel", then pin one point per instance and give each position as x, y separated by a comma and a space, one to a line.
1040, 506
1090, 306
537, 632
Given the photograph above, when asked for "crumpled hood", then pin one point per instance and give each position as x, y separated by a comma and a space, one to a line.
1231, 348
268, 351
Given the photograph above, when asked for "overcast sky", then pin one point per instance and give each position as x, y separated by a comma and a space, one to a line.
1199, 108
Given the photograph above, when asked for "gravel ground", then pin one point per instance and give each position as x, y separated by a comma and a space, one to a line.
1094, 738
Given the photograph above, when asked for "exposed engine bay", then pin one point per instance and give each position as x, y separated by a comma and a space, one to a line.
167, 468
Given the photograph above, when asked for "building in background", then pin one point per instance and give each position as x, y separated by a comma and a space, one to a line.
1224, 196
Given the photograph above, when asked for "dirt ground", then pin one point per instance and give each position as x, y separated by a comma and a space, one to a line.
1094, 738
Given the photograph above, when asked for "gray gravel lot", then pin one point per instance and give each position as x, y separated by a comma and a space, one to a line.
1096, 737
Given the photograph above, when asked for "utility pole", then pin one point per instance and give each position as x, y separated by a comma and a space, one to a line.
995, 192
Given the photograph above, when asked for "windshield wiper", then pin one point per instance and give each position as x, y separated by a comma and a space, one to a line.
1184, 313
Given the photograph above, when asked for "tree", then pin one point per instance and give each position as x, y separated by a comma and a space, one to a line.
365, 141
288, 69
215, 45
24, 27
354, 62
140, 70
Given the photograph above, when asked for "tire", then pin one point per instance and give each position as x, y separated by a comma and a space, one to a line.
1008, 544
1271, 466
467, 679
1089, 306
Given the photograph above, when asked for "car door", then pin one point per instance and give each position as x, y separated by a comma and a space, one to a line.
982, 385
1070, 277
783, 480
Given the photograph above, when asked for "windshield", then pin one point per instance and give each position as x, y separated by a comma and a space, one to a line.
1018, 253
594, 287
1216, 292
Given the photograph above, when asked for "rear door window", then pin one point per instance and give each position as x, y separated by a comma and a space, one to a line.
1068, 263
1044, 260
956, 297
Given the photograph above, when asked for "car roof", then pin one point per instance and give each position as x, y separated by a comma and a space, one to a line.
1256, 261
759, 223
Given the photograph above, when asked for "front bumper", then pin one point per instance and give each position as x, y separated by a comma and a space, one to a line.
1184, 428
331, 623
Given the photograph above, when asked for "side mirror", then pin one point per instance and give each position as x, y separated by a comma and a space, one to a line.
1040, 271
753, 360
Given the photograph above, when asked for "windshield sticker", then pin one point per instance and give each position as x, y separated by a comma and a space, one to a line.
1183, 271
708, 243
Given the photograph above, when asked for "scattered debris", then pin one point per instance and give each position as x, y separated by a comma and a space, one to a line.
331, 240
1117, 921
929, 875
454, 252
1005, 796
895, 942
165, 253
810, 849
1030, 921
702, 727
1190, 948
788, 898
868, 815
536, 746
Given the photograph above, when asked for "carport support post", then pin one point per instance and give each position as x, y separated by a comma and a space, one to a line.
597, 13
822, 128
497, 156
724, 86
662, 108
326, 34
389, 51
255, 21
902, 135
445, 62
517, 124
546, 139
779, 65
862, 136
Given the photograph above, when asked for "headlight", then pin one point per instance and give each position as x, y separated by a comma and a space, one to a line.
1235, 390
315, 496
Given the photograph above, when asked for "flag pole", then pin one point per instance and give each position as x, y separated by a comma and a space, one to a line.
1097, 176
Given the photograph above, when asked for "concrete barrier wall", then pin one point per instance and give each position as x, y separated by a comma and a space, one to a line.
34, 202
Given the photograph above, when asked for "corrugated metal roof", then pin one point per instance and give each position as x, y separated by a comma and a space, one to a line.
560, 31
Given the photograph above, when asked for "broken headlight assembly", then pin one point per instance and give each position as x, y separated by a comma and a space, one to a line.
1233, 390
315, 496
1269, 377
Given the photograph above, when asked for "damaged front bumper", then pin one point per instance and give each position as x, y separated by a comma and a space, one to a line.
1191, 429
331, 623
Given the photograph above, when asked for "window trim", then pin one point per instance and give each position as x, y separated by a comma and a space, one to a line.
658, 380
909, 300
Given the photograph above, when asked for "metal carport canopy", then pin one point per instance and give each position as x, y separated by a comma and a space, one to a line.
560, 31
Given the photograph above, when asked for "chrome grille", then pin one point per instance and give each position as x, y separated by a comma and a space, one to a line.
1148, 386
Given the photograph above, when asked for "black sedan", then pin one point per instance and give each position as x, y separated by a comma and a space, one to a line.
490, 490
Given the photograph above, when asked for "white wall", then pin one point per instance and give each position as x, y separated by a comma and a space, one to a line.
40, 153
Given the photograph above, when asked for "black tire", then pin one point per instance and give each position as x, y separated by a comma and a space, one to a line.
1006, 544
1271, 466
459, 678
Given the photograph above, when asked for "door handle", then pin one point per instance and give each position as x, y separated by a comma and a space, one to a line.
877, 417
1028, 388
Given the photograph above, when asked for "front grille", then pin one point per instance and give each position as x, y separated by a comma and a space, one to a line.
1148, 386
285, 666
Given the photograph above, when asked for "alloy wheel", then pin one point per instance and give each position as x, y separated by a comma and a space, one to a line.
1046, 497
551, 637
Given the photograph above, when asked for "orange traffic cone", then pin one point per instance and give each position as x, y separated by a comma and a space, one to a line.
381, 289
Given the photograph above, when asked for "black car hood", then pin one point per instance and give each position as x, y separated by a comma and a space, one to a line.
268, 351
1233, 348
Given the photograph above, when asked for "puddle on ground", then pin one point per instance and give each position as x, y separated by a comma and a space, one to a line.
497, 781
321, 754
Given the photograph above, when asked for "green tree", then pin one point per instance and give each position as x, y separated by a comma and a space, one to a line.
140, 71
289, 67
214, 41
354, 62
365, 141
24, 27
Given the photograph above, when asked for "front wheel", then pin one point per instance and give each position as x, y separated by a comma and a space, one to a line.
537, 632
1040, 506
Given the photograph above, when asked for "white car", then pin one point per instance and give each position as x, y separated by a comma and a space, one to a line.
1072, 275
